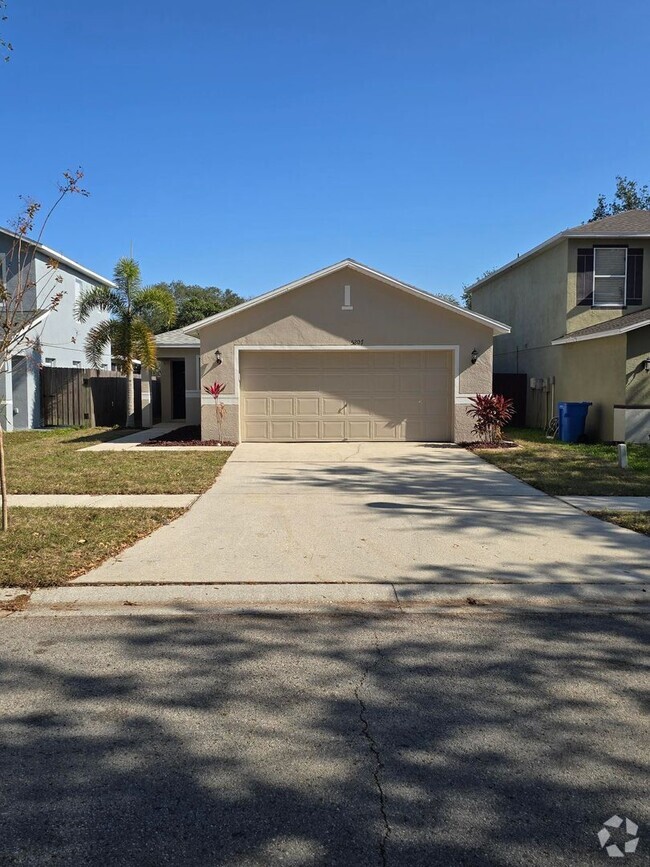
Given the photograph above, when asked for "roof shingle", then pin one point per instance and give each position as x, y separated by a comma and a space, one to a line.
177, 337
629, 322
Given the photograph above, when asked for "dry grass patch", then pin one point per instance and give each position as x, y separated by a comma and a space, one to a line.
47, 547
49, 462
572, 469
637, 521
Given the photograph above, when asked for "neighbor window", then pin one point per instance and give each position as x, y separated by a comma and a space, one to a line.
609, 276
51, 362
78, 289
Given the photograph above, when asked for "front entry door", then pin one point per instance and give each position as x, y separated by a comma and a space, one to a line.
178, 388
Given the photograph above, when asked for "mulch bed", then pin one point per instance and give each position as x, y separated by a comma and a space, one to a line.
477, 446
190, 435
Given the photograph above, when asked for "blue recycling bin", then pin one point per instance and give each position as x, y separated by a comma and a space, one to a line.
572, 418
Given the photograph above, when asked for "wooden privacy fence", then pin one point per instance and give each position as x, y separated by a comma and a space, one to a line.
71, 396
514, 386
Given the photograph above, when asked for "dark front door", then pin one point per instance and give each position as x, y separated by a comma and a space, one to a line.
178, 388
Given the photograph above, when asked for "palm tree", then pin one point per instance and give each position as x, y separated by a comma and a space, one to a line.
126, 331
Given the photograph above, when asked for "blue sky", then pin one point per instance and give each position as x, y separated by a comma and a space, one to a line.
246, 144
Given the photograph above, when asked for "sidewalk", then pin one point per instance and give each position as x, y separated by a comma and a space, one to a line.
609, 504
103, 501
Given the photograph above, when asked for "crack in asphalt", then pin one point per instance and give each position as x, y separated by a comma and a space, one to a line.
375, 751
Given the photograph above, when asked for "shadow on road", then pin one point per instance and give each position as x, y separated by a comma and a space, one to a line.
477, 739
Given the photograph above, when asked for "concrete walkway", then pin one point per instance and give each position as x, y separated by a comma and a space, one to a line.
135, 439
103, 501
609, 504
398, 514
132, 440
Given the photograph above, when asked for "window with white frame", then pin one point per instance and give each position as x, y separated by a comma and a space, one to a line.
78, 289
610, 276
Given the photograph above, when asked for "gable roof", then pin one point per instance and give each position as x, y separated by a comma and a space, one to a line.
497, 327
54, 254
627, 224
610, 328
176, 339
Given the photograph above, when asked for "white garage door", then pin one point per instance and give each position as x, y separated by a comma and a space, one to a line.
346, 395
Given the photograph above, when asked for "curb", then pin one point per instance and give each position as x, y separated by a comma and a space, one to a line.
187, 599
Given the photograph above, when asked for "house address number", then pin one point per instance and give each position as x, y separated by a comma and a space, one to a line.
357, 341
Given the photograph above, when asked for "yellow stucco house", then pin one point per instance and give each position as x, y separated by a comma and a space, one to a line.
579, 310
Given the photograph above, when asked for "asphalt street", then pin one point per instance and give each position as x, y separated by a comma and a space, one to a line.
474, 738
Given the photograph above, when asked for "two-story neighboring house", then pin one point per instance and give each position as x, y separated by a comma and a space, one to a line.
579, 310
55, 338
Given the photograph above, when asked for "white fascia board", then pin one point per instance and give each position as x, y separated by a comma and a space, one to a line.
178, 346
596, 335
497, 327
54, 254
30, 326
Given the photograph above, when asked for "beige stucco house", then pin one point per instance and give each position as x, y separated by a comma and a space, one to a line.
579, 310
346, 353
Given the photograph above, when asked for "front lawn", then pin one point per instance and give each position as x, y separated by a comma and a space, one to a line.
572, 469
46, 547
637, 521
49, 462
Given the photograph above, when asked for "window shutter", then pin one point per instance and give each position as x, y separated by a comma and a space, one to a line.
635, 276
585, 276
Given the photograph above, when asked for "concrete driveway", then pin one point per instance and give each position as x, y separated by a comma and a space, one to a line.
406, 513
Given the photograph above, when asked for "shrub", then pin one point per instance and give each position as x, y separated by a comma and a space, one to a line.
492, 412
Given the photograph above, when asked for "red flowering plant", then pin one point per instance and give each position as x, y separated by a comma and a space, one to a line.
492, 413
214, 391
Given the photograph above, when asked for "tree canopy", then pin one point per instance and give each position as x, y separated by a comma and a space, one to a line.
629, 196
448, 297
194, 302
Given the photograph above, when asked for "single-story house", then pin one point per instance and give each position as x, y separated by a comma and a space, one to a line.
344, 354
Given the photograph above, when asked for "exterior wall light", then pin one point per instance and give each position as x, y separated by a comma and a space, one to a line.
646, 365
218, 357
474, 356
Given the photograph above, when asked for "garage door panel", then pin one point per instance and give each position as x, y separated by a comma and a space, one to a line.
281, 430
281, 406
307, 406
333, 405
256, 406
359, 429
256, 430
356, 395
308, 430
385, 430
411, 382
334, 430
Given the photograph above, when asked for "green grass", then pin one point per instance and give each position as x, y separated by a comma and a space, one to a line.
566, 469
49, 462
637, 521
46, 547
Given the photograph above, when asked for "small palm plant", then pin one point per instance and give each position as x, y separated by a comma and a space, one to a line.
220, 408
126, 330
